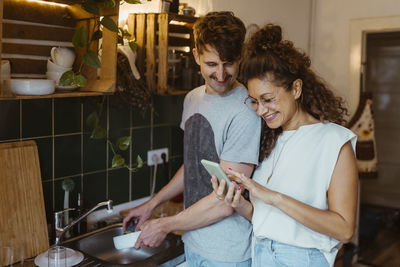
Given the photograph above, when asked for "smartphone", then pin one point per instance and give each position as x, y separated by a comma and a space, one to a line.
214, 168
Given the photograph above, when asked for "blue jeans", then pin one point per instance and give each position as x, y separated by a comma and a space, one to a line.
274, 254
194, 260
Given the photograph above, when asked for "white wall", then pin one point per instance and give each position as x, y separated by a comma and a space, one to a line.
331, 39
292, 15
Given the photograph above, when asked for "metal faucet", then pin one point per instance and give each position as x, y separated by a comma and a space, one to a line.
58, 217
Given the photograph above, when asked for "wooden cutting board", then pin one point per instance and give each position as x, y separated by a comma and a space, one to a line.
22, 211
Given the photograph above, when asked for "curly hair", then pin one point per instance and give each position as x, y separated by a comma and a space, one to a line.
266, 53
223, 31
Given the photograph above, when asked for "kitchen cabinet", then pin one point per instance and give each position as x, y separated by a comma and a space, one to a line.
165, 43
30, 29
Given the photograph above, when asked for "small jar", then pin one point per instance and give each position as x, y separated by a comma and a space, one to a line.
188, 11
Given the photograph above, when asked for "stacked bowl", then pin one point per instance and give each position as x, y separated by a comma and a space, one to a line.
61, 61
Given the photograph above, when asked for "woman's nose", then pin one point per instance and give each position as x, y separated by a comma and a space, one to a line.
260, 110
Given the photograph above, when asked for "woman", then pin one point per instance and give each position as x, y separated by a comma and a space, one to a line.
304, 193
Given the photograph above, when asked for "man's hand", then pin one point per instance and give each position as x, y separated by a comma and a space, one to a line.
140, 214
153, 233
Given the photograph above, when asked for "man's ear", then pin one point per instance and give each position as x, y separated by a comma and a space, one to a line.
297, 88
196, 56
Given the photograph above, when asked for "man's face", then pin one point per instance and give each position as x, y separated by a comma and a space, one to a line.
220, 76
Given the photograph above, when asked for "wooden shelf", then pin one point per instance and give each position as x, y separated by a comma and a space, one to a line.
44, 26
155, 35
177, 92
55, 95
182, 18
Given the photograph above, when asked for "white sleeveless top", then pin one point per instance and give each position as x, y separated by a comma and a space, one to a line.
303, 172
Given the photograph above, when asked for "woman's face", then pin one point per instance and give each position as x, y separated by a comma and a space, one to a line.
275, 104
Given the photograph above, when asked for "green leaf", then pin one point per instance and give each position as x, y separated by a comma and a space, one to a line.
123, 33
97, 35
67, 78
133, 45
123, 142
109, 24
139, 162
80, 80
117, 161
109, 4
91, 7
133, 1
99, 132
79, 38
91, 59
120, 39
92, 120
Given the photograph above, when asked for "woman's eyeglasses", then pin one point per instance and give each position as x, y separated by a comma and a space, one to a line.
264, 101
254, 103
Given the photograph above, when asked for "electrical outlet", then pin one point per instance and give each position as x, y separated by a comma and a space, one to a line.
154, 156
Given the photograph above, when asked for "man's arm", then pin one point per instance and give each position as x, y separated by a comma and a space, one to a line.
206, 211
172, 189
209, 209
144, 211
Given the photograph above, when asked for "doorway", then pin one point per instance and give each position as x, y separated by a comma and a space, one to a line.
382, 80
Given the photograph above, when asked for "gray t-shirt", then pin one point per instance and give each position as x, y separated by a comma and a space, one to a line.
218, 127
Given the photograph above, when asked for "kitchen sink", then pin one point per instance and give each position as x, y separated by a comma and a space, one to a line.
99, 245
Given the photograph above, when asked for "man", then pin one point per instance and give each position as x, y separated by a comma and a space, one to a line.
217, 126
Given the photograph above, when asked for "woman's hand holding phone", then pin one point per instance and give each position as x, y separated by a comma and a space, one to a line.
232, 196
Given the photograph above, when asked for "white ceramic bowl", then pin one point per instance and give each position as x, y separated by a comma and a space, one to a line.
53, 67
31, 86
126, 241
54, 75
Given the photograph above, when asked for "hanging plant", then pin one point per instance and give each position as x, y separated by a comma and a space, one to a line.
90, 58
122, 144
80, 40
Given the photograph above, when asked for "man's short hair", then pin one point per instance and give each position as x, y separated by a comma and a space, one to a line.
223, 31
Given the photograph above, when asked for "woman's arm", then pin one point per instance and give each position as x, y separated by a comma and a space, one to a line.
340, 218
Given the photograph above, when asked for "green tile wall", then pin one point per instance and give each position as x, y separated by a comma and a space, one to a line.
67, 151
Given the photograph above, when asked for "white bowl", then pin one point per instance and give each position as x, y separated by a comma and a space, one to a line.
54, 75
53, 67
126, 241
31, 86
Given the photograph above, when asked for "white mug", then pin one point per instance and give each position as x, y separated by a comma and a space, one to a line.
63, 56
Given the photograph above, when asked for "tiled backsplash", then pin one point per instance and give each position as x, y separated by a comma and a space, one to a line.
58, 125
